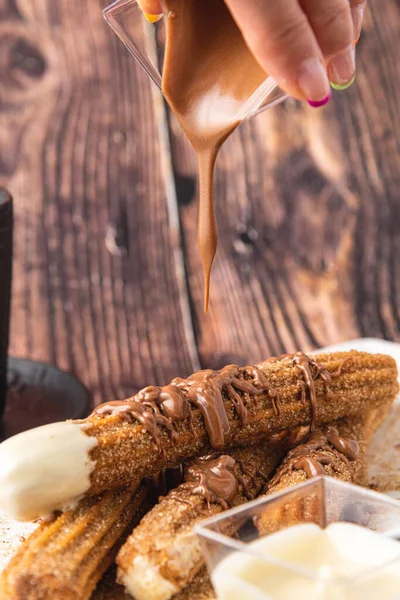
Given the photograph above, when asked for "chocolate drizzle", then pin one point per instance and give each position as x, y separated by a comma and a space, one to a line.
206, 390
207, 86
136, 411
214, 479
165, 407
310, 371
312, 458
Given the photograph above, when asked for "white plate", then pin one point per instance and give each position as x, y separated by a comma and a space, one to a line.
383, 457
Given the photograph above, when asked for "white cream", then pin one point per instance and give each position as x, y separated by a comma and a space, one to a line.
44, 469
335, 555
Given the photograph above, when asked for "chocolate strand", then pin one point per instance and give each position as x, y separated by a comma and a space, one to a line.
206, 390
215, 479
310, 457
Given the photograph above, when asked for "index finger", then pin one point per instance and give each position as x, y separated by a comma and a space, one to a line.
150, 7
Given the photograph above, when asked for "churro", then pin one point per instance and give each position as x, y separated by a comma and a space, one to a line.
65, 559
163, 554
336, 450
162, 426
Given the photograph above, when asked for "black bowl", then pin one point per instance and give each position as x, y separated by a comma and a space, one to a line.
38, 394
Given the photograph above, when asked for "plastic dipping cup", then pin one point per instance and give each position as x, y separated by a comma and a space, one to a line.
321, 540
146, 42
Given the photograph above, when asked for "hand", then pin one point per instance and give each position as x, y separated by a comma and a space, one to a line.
303, 44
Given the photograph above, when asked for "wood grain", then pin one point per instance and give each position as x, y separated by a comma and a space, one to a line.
107, 277
308, 214
95, 290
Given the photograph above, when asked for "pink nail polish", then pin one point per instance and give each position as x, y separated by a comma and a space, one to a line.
313, 82
319, 103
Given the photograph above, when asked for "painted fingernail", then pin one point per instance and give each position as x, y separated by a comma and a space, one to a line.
345, 86
319, 103
342, 68
152, 18
314, 83
357, 12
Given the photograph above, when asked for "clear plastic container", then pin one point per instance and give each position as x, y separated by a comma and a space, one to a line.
146, 42
285, 561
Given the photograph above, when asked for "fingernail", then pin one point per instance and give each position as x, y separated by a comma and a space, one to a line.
314, 83
342, 67
319, 103
152, 18
357, 12
345, 86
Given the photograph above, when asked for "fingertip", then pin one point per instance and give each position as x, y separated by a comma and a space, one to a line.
151, 8
314, 83
342, 68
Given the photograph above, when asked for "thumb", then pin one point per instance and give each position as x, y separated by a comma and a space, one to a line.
151, 9
283, 41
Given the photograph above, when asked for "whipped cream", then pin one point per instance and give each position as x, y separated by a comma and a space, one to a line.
44, 469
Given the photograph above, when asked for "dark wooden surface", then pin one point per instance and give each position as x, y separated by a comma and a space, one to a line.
107, 278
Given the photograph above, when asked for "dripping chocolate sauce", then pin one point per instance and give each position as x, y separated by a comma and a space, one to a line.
209, 75
162, 408
310, 456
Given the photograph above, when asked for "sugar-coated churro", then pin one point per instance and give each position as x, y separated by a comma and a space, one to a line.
64, 559
336, 450
162, 426
163, 554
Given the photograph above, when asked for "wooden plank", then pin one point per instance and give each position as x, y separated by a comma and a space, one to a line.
95, 284
307, 204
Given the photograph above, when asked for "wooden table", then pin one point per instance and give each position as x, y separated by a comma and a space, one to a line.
107, 277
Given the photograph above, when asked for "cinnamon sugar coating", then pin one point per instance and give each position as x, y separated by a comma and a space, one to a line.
64, 559
127, 452
163, 554
358, 428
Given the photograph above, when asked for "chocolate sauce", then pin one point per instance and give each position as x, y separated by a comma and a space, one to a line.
209, 75
311, 466
310, 457
131, 411
214, 479
349, 448
311, 371
208, 390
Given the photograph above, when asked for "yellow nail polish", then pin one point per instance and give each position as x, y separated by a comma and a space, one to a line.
344, 86
152, 18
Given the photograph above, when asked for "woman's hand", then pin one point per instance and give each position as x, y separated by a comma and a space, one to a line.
305, 45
